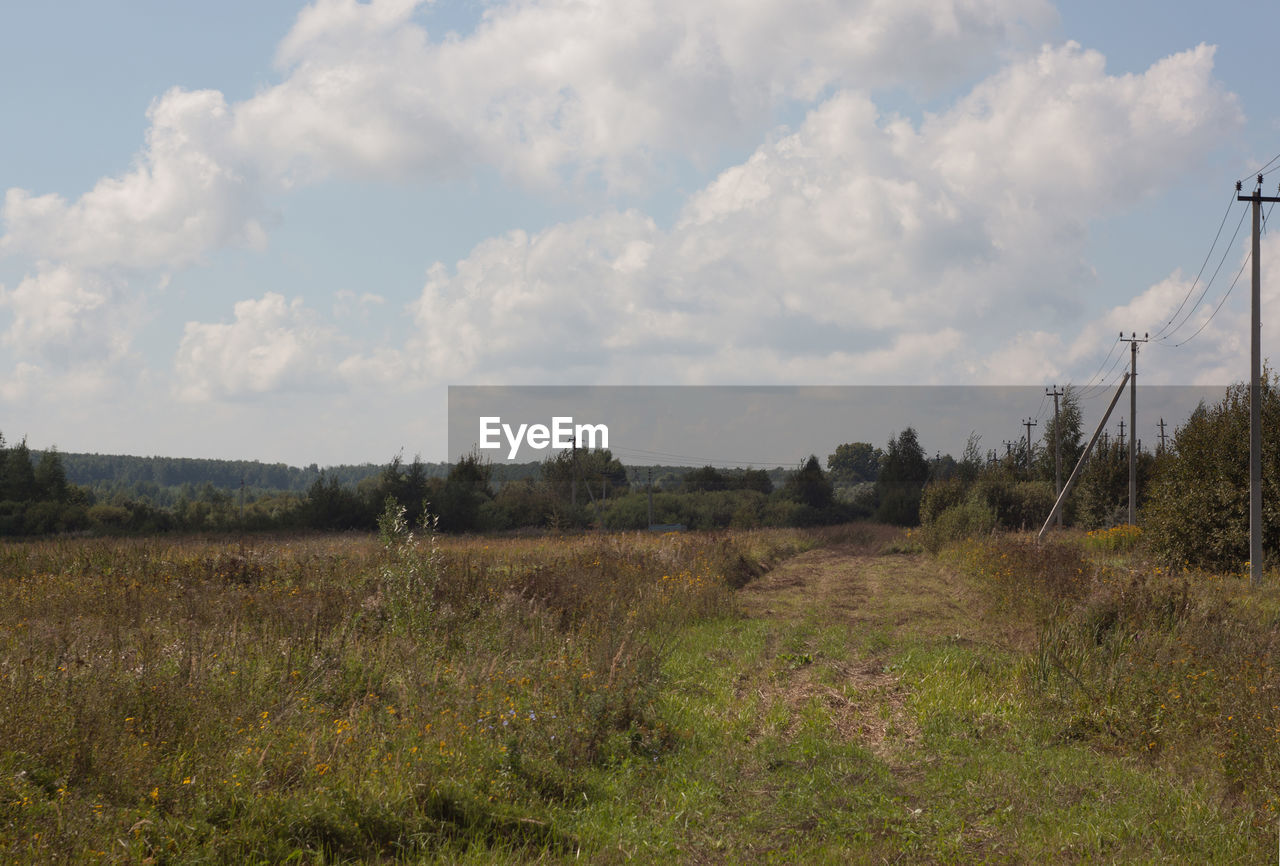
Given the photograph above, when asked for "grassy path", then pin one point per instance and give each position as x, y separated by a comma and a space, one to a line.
868, 709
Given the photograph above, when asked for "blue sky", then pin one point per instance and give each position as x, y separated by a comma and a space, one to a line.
281, 230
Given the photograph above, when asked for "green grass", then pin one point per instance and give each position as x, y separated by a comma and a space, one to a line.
613, 699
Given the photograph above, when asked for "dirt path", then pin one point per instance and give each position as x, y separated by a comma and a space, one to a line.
887, 597
881, 602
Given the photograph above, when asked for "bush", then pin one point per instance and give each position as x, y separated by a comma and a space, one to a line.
899, 505
939, 496
1197, 511
1016, 504
960, 521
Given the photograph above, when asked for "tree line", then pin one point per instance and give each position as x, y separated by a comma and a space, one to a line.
1192, 496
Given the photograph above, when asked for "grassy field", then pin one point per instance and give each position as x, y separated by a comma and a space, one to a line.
773, 696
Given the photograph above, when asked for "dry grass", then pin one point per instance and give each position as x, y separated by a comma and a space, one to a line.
174, 700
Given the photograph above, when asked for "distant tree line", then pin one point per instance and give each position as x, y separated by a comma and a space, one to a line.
574, 489
1194, 490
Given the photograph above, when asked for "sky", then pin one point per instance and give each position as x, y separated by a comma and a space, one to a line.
281, 231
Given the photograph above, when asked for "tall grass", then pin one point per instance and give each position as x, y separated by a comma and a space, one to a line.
331, 699
1175, 667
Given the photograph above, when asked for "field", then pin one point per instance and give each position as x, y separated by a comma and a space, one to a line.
769, 696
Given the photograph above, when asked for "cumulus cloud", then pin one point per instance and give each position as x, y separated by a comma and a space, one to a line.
190, 192
272, 345
541, 89
64, 316
848, 248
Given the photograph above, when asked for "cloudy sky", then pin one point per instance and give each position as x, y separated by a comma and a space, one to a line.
280, 231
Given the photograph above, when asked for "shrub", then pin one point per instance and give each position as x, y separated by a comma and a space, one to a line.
939, 496
960, 521
1198, 507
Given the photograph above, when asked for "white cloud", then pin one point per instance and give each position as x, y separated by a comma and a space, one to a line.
65, 316
545, 86
272, 345
188, 193
542, 89
846, 248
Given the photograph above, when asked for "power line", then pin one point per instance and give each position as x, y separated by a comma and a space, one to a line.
1270, 163
1248, 257
1231, 203
1101, 366
1220, 303
1168, 334
1088, 392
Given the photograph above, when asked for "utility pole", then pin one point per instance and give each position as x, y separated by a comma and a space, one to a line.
1161, 426
1133, 423
1029, 423
1255, 387
1057, 446
1075, 473
1008, 448
1121, 439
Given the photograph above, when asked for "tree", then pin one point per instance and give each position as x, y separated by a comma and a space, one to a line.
19, 482
854, 463
810, 485
903, 474
465, 490
971, 461
706, 478
594, 473
329, 505
1069, 419
758, 480
1198, 507
50, 478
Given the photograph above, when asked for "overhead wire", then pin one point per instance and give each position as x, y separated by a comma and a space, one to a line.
1166, 334
1089, 391
1101, 380
1268, 165
1206, 322
1248, 257
1101, 367
1203, 264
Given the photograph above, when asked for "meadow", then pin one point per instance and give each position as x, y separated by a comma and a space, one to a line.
336, 698
834, 695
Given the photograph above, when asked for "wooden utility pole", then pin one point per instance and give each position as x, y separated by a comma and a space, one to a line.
1057, 445
1255, 386
1134, 340
1029, 423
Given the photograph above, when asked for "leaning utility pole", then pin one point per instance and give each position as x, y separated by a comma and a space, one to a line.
1255, 387
1075, 473
1133, 423
1029, 424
